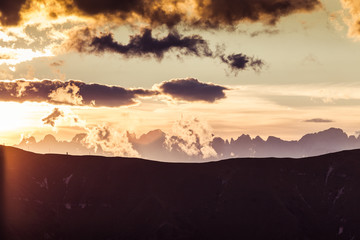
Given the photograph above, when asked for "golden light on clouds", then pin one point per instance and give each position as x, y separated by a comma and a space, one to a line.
273, 109
39, 41
11, 57
351, 17
19, 118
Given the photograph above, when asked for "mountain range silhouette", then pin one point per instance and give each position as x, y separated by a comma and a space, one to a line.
152, 146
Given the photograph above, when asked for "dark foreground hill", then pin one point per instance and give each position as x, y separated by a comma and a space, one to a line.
87, 197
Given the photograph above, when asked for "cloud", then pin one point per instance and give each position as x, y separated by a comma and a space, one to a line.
101, 138
265, 31
240, 61
10, 11
56, 113
144, 44
78, 93
198, 13
153, 12
57, 63
109, 140
231, 12
64, 116
192, 137
12, 56
353, 17
112, 96
191, 90
318, 120
70, 93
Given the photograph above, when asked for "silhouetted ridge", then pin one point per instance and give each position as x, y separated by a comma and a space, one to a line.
88, 197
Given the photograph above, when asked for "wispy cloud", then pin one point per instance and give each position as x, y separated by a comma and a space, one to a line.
265, 31
57, 63
56, 113
318, 120
192, 137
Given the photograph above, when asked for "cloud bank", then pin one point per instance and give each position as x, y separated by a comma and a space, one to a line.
209, 13
69, 92
78, 93
151, 14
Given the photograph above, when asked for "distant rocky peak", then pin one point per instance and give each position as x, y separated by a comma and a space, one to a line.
79, 137
49, 139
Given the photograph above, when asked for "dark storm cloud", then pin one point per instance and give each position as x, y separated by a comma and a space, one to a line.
206, 13
143, 44
70, 93
10, 11
230, 12
56, 113
240, 62
151, 11
192, 90
318, 120
210, 13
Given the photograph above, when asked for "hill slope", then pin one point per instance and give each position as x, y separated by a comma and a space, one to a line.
88, 197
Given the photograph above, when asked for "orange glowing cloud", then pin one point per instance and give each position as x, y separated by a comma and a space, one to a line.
353, 19
157, 12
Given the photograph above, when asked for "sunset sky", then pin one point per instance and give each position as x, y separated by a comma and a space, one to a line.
261, 67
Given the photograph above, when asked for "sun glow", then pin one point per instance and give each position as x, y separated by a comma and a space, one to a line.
14, 116
19, 117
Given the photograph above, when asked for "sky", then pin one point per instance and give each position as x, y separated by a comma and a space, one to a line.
262, 67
